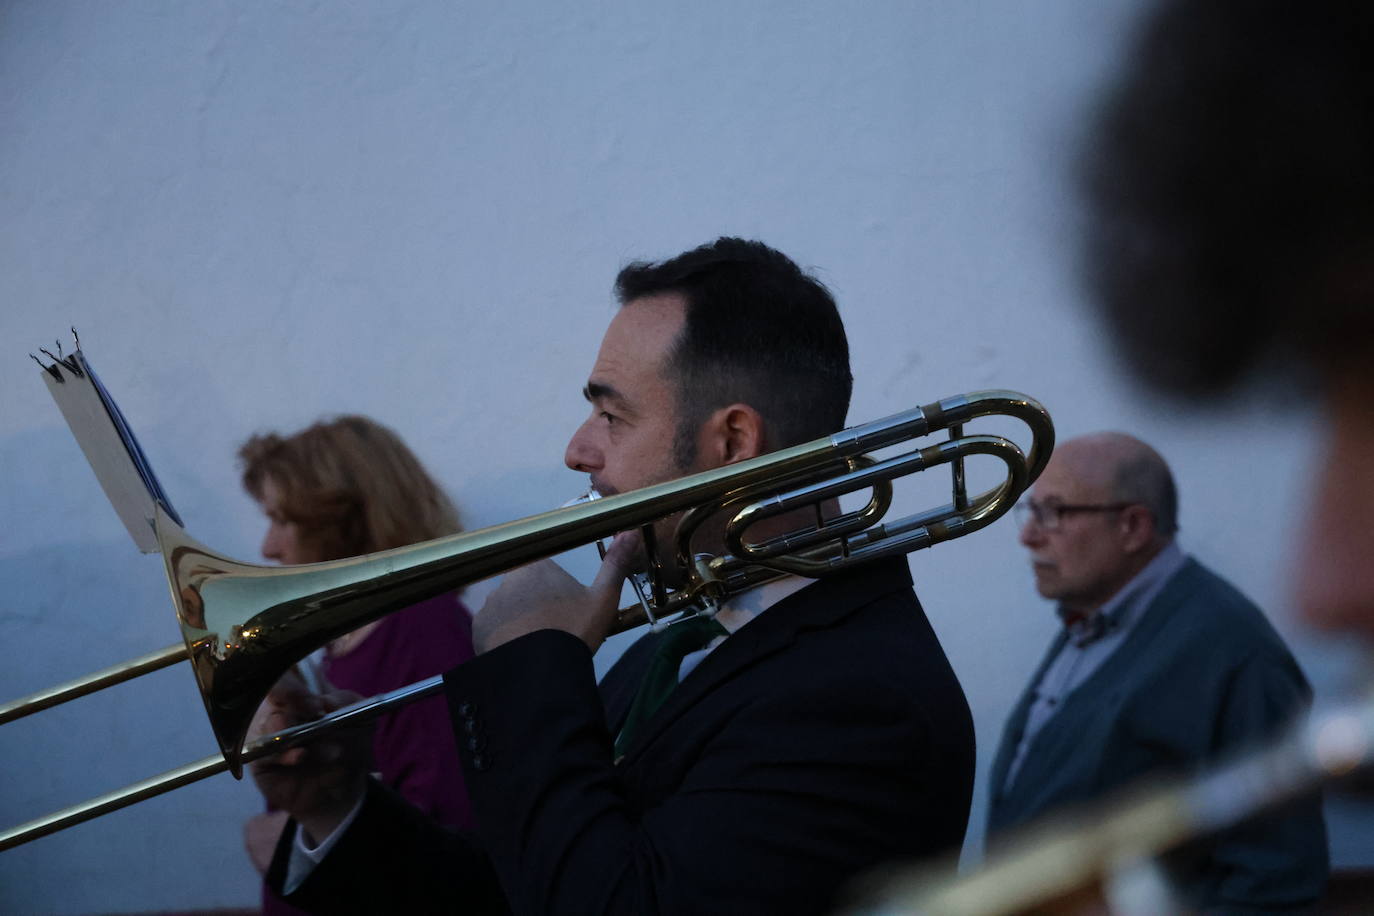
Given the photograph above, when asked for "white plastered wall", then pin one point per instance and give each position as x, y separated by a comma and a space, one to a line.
261, 213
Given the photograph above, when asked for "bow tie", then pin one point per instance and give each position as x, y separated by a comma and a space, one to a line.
1086, 630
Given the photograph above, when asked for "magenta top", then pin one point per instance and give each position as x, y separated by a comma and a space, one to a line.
414, 748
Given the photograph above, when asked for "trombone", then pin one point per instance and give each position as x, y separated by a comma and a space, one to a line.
245, 625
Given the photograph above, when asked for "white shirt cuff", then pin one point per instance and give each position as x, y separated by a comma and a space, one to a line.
303, 858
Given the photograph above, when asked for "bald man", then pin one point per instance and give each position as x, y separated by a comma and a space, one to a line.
1160, 668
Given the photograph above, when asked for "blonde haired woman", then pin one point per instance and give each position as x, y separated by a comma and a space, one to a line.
346, 487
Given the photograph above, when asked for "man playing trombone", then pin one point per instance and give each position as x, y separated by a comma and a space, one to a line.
748, 762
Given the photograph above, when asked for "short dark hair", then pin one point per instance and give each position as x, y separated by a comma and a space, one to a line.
1230, 181
759, 330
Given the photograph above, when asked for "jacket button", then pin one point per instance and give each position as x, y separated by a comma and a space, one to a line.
466, 709
480, 763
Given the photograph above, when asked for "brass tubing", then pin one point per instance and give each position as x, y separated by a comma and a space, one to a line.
356, 714
91, 683
113, 801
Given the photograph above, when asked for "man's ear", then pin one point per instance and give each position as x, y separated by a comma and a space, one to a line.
732, 433
1137, 527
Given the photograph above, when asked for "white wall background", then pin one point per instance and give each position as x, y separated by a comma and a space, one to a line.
258, 213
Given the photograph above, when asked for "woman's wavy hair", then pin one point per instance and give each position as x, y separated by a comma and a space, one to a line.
350, 485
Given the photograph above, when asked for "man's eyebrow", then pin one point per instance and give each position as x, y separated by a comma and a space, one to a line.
597, 391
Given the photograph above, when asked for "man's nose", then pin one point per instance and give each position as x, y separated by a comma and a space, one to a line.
582, 453
1031, 535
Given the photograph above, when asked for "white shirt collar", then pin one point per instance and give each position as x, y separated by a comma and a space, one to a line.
739, 609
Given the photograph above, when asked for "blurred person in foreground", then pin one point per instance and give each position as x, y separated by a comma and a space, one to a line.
342, 488
1161, 668
1230, 244
1230, 179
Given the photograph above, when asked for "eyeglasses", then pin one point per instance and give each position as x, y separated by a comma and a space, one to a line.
1049, 516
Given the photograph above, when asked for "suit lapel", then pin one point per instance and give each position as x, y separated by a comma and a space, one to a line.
819, 604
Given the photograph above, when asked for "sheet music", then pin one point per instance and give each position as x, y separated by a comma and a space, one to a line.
109, 445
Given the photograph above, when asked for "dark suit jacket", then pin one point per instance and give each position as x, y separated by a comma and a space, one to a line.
1203, 675
827, 735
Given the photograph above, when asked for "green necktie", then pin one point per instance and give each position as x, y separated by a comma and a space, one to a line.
660, 678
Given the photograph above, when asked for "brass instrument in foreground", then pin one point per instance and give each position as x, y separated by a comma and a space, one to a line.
1106, 859
245, 625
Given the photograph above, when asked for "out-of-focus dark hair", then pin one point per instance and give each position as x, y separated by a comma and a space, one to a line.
350, 485
1230, 184
759, 331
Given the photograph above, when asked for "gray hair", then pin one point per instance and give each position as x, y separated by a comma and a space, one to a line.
1143, 477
